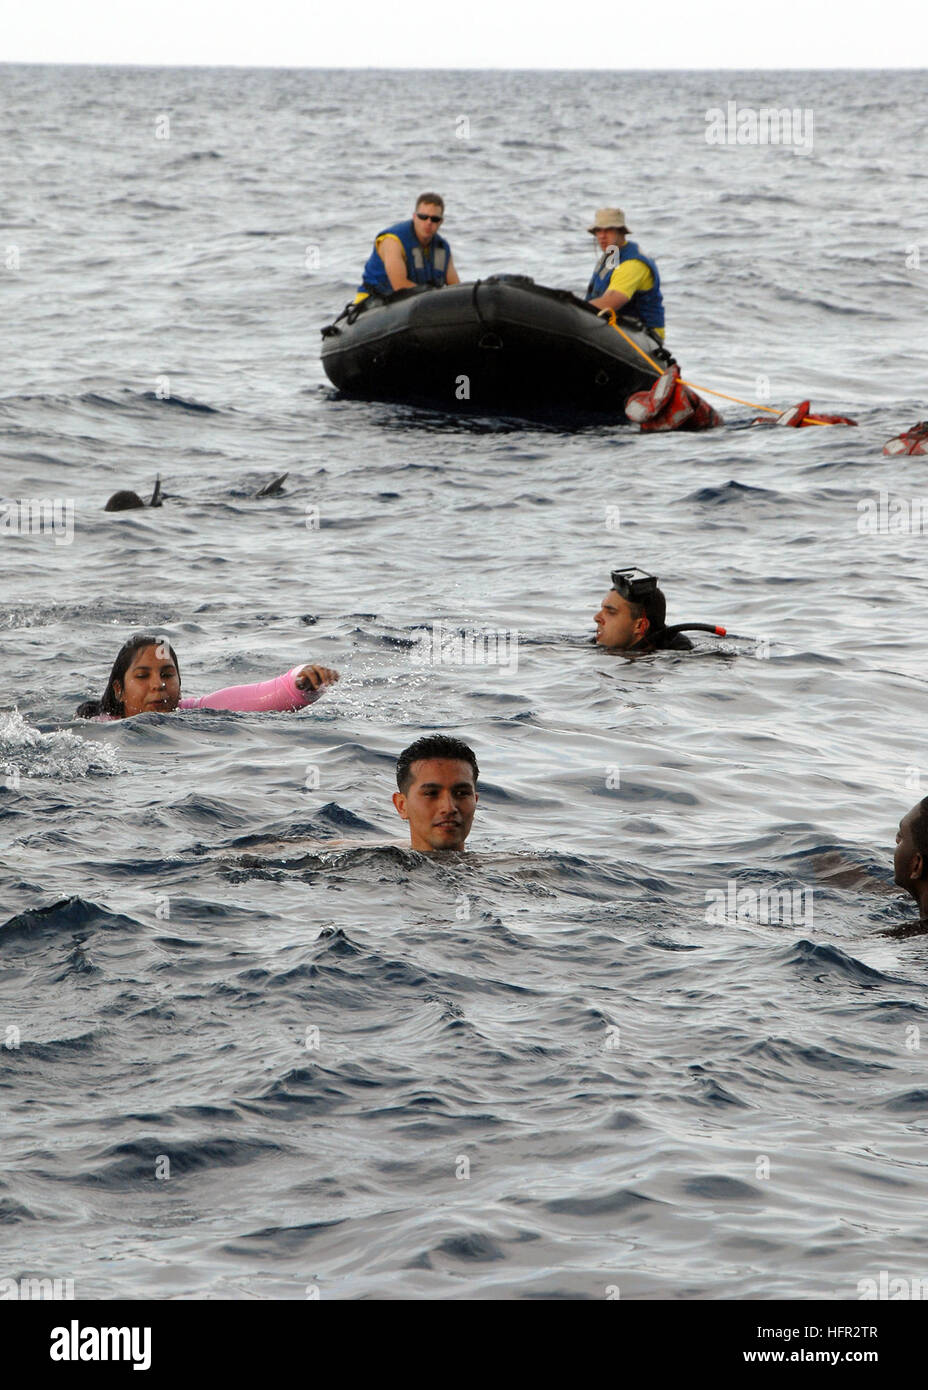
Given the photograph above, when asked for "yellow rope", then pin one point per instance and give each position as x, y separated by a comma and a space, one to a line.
769, 408
807, 419
650, 360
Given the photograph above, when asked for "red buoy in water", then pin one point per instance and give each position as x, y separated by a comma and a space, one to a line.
669, 405
913, 441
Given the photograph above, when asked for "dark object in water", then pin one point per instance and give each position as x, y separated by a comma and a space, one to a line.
126, 501
274, 488
503, 345
123, 502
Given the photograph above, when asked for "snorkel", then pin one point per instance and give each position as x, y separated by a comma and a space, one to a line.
638, 587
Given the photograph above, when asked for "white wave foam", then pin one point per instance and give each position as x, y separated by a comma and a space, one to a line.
27, 752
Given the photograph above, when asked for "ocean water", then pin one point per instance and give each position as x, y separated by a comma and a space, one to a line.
239, 1059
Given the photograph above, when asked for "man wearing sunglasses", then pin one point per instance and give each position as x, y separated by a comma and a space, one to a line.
632, 617
410, 253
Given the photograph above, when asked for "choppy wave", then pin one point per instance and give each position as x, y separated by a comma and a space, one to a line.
28, 752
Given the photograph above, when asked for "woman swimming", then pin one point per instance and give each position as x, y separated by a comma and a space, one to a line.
146, 679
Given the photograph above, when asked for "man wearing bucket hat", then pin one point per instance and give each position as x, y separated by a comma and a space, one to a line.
624, 275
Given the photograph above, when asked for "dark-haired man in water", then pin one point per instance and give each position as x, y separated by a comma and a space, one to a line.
911, 866
437, 781
633, 614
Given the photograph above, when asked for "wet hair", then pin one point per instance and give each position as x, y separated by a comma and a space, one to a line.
920, 828
123, 502
432, 746
110, 703
435, 198
654, 609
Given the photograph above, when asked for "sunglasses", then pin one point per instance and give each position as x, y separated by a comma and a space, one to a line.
427, 217
634, 584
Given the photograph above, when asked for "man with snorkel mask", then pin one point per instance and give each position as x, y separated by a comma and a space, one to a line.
632, 617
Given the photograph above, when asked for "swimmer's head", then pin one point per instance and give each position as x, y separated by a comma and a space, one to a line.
633, 608
437, 781
911, 859
145, 678
123, 501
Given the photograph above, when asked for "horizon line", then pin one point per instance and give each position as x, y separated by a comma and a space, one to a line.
423, 67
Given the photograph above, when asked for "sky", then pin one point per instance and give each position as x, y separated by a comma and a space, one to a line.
469, 34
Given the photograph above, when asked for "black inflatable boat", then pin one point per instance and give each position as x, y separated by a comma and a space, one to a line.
502, 345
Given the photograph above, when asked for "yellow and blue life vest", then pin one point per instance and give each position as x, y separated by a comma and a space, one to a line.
647, 304
424, 266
